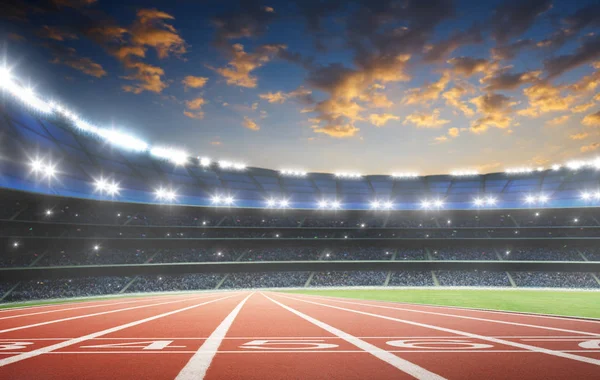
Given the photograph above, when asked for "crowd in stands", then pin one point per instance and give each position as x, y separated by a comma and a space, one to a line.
545, 254
282, 254
462, 253
95, 286
342, 278
265, 280
472, 278
164, 283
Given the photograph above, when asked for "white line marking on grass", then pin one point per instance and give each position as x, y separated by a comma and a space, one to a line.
57, 346
463, 333
395, 361
94, 315
457, 316
198, 364
72, 308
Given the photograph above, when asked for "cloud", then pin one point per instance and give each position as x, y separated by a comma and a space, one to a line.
510, 51
582, 107
589, 148
587, 52
148, 77
579, 136
427, 93
441, 139
468, 66
57, 34
453, 98
426, 119
571, 25
592, 120
195, 104
250, 124
508, 81
150, 29
250, 20
194, 82
496, 110
439, 51
301, 93
336, 130
544, 97
453, 132
274, 97
242, 64
515, 17
68, 57
380, 120
588, 82
268, 9
558, 120
199, 115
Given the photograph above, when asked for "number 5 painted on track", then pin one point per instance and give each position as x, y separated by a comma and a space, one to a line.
275, 344
433, 344
10, 346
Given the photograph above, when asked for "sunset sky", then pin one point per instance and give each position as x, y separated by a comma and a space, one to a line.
370, 86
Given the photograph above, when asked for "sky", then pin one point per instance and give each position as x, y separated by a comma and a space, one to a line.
374, 87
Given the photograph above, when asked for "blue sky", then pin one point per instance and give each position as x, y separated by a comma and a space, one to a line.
371, 86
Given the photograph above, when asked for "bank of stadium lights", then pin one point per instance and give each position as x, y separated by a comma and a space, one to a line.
329, 205
432, 204
487, 201
347, 175
165, 195
293, 173
522, 170
278, 203
204, 161
44, 169
404, 175
464, 173
228, 165
381, 205
537, 199
176, 156
219, 200
588, 196
105, 187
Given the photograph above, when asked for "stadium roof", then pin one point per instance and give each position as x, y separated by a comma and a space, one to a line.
46, 149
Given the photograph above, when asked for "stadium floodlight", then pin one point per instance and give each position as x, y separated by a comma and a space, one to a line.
347, 175
231, 165
586, 196
228, 200
375, 205
48, 212
216, 199
113, 189
449, 221
36, 165
176, 156
438, 203
284, 203
530, 199
597, 195
123, 140
388, 205
323, 204
543, 198
540, 169
204, 161
402, 175
166, 194
576, 220
425, 204
478, 202
16, 244
96, 247
575, 165
491, 201
5, 76
335, 205
556, 167
271, 202
293, 173
523, 170
464, 173
101, 184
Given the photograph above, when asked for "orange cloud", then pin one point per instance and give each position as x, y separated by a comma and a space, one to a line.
194, 82
453, 98
333, 130
453, 132
242, 64
428, 93
250, 124
579, 136
558, 120
441, 139
69, 57
496, 110
426, 119
150, 29
543, 98
468, 66
582, 107
194, 115
195, 103
380, 120
149, 78
57, 34
592, 120
280, 97
508, 81
589, 148
274, 97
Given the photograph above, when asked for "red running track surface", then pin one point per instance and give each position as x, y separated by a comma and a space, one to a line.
268, 335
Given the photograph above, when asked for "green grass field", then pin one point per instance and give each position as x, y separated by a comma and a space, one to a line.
575, 304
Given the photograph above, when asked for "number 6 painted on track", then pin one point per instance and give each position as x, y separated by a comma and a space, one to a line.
433, 344
267, 344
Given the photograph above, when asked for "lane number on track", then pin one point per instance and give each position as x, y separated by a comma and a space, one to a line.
288, 344
13, 346
593, 344
438, 344
154, 345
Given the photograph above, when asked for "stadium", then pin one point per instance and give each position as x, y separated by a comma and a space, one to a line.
127, 258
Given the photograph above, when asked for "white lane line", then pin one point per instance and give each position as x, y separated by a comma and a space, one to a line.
73, 302
58, 346
198, 364
455, 316
463, 333
397, 362
72, 308
93, 315
535, 337
296, 352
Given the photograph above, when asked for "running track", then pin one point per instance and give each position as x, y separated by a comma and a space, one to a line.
268, 335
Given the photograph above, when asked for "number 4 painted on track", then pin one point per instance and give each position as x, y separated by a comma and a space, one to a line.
299, 344
148, 345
